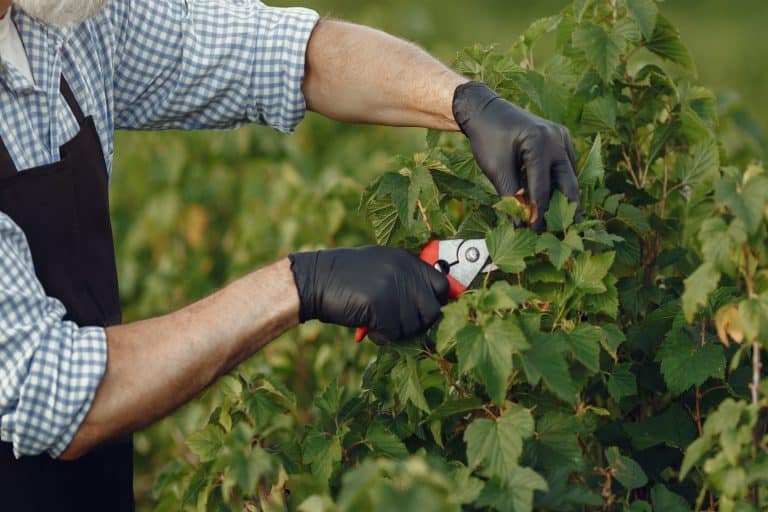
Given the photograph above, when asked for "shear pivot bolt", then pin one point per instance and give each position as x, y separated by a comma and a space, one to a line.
472, 254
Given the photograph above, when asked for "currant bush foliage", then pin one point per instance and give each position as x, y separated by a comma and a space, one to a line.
611, 363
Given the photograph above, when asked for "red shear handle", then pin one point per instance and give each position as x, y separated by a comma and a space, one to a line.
429, 255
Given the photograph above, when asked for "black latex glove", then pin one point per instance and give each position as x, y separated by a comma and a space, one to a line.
506, 139
391, 291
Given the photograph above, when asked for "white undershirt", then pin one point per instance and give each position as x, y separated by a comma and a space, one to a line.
11, 49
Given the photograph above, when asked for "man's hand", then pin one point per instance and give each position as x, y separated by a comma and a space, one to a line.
506, 139
389, 290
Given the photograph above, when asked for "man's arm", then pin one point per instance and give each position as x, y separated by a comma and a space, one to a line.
355, 73
359, 74
157, 365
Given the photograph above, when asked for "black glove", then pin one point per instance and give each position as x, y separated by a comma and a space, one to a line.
391, 291
505, 139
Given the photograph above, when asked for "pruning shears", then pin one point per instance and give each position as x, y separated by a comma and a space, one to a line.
460, 260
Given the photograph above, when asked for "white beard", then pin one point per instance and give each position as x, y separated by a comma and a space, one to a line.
62, 13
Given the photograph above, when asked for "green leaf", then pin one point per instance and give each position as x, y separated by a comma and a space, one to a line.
557, 252
664, 499
329, 400
545, 361
745, 200
589, 271
612, 339
322, 452
599, 115
509, 247
625, 470
602, 49
490, 354
406, 375
585, 344
514, 494
644, 12
592, 169
674, 428
666, 43
685, 364
207, 443
698, 287
622, 382
497, 444
560, 214
753, 314
383, 441
694, 453
633, 217
455, 316
453, 407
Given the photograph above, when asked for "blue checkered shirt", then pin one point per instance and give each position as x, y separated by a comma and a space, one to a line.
141, 64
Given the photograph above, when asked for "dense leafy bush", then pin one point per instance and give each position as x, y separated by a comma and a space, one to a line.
612, 362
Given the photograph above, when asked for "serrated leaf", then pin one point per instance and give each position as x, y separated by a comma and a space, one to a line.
560, 214
599, 115
557, 252
545, 361
455, 316
585, 344
497, 444
589, 271
622, 382
490, 354
406, 375
602, 49
382, 441
685, 364
666, 43
322, 452
625, 470
698, 287
633, 217
644, 12
207, 443
513, 495
674, 428
612, 339
509, 247
592, 169
329, 400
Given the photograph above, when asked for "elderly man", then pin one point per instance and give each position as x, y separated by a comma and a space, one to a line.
74, 381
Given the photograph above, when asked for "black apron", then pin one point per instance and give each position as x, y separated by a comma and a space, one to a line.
63, 209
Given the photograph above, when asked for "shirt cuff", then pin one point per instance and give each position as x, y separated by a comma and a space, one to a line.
58, 391
280, 61
91, 358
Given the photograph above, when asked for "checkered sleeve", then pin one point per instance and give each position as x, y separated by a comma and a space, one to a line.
49, 368
194, 64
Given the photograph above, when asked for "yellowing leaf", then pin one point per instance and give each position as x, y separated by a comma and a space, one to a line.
728, 324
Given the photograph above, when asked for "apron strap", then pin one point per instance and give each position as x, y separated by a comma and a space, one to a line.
7, 165
69, 96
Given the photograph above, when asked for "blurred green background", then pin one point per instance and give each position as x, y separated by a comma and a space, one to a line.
193, 211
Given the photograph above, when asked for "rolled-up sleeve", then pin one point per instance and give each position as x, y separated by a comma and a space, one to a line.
194, 64
49, 368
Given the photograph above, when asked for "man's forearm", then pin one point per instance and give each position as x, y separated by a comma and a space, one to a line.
157, 365
358, 74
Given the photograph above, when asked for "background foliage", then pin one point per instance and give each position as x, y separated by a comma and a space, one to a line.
574, 378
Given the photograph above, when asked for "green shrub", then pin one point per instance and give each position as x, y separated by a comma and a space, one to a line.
611, 363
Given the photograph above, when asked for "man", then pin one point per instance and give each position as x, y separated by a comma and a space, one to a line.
74, 382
